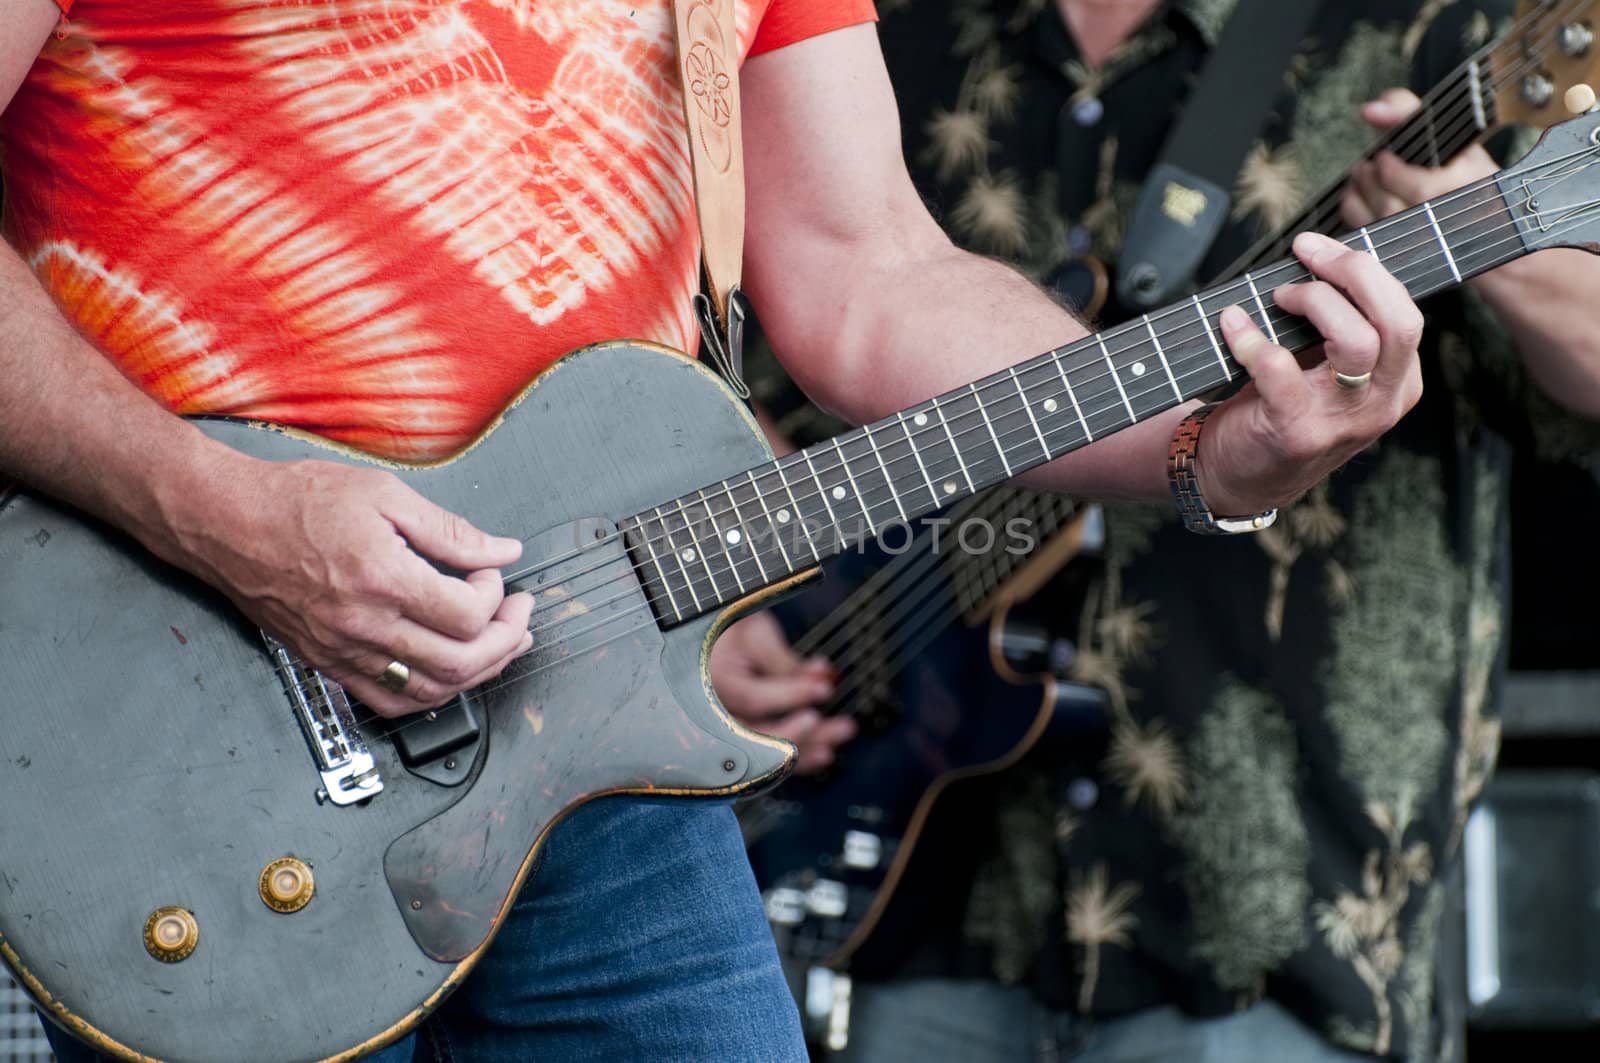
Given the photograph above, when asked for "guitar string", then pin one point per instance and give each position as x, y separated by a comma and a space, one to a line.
1496, 82
1190, 331
1418, 238
1462, 121
1198, 362
732, 564
1408, 140
1454, 120
780, 468
824, 635
1315, 216
1567, 226
912, 580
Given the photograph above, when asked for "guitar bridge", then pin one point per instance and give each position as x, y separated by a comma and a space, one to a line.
349, 774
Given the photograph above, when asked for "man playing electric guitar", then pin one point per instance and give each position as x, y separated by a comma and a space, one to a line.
378, 223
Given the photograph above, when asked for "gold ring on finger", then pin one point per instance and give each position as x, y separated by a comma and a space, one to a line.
394, 677
1354, 382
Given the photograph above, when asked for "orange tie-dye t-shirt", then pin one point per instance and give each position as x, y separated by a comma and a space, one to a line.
374, 219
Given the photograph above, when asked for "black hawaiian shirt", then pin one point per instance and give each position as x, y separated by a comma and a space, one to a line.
1300, 718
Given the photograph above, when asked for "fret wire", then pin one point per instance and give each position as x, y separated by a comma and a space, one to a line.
1071, 395
984, 413
682, 569
1475, 77
1161, 354
700, 547
1265, 317
822, 492
744, 533
1028, 406
799, 514
917, 454
1445, 247
772, 525
1222, 359
1370, 248
661, 576
887, 479
861, 500
723, 542
955, 450
1115, 379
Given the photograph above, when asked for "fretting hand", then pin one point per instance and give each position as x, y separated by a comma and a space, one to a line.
1386, 185
1294, 423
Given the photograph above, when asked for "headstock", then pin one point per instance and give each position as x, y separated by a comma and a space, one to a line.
1553, 193
1547, 68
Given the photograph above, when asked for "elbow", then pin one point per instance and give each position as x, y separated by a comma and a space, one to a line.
832, 314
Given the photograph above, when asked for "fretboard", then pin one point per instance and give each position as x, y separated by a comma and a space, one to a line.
730, 538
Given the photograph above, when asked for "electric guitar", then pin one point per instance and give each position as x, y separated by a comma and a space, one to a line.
212, 853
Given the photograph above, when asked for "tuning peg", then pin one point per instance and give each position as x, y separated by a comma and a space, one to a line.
1579, 99
1575, 38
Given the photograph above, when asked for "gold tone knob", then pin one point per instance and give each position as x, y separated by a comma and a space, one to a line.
1579, 99
170, 934
287, 885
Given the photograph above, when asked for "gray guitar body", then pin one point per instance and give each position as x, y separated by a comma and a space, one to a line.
150, 756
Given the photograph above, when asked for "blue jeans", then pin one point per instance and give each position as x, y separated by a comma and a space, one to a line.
641, 936
935, 1020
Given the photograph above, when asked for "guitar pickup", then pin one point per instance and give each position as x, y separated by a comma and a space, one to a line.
427, 736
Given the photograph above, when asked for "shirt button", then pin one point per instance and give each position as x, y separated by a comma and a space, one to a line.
1088, 111
1082, 794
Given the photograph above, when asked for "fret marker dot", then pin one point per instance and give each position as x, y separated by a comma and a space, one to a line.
688, 555
1138, 369
838, 492
920, 419
734, 537
949, 487
1050, 405
783, 516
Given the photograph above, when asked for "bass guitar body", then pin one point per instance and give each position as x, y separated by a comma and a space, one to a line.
181, 876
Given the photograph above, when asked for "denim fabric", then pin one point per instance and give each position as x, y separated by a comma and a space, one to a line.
641, 936
936, 1020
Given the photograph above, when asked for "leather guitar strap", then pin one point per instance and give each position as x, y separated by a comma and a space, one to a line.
708, 63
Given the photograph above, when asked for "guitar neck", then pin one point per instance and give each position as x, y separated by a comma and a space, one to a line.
729, 539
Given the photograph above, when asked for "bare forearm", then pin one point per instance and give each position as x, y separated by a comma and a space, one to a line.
1547, 303
74, 427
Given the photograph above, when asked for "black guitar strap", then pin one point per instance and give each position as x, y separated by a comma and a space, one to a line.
1186, 197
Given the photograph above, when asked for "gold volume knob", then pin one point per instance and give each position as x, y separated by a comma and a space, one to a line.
170, 934
287, 885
